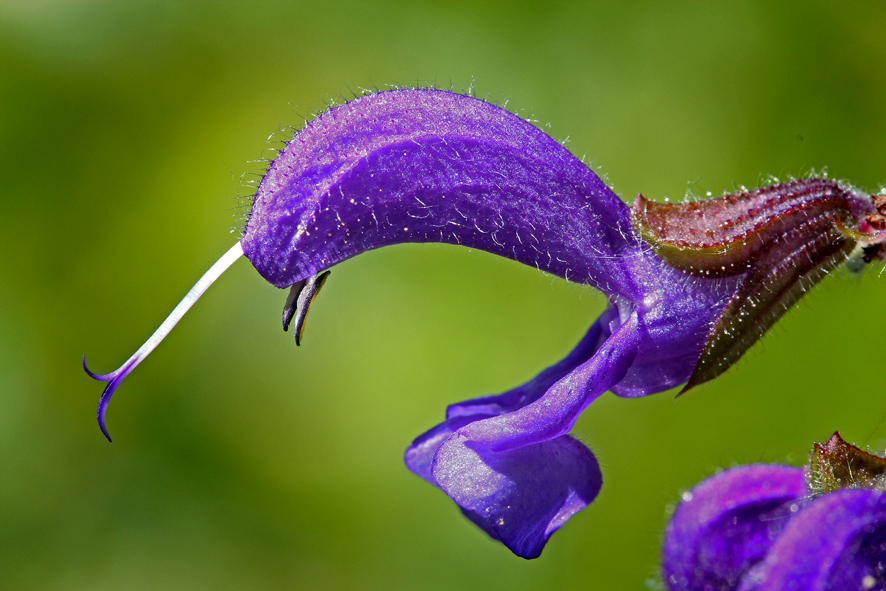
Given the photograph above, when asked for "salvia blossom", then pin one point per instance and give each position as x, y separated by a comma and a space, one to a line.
690, 286
773, 528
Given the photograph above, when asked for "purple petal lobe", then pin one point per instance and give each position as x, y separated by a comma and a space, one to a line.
419, 456
520, 496
726, 525
531, 391
434, 166
556, 411
517, 474
838, 542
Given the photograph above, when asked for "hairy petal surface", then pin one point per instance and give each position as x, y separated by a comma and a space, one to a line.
727, 524
434, 166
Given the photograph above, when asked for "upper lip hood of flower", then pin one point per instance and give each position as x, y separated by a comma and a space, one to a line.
434, 166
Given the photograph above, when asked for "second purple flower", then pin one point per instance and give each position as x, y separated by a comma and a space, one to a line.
773, 528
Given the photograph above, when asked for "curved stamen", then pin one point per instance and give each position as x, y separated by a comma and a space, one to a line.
115, 377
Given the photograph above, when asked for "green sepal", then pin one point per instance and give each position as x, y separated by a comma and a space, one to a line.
837, 465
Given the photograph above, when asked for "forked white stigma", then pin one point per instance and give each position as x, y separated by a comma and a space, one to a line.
115, 377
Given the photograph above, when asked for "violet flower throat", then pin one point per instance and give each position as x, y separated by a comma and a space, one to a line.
691, 286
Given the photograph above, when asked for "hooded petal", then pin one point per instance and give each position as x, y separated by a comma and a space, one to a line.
727, 524
837, 543
434, 166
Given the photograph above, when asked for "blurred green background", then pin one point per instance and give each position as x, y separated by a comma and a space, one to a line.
241, 461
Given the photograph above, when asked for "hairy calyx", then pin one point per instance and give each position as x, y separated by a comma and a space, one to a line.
781, 238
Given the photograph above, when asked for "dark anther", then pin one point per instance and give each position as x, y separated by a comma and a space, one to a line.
289, 306
298, 302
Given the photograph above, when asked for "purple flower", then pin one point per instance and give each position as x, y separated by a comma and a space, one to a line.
770, 528
434, 166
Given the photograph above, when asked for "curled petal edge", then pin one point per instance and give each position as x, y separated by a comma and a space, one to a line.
513, 470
